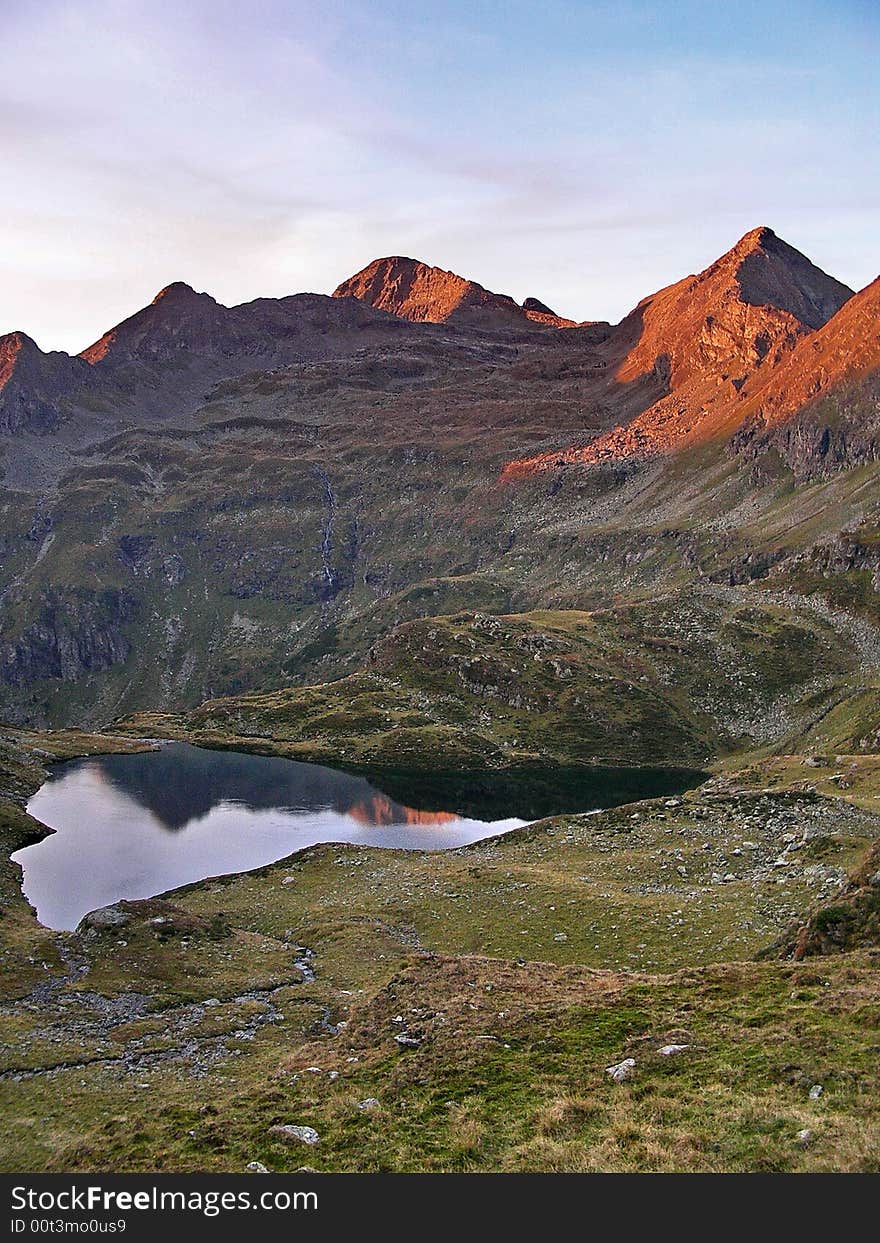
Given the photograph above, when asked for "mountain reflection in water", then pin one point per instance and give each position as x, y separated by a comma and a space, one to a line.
133, 826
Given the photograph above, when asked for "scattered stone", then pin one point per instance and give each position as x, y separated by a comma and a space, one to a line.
256, 1167
368, 1104
407, 1040
622, 1070
816, 1091
805, 1137
560, 936
670, 1050
302, 1134
105, 917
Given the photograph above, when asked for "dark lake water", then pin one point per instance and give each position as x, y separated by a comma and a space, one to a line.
132, 826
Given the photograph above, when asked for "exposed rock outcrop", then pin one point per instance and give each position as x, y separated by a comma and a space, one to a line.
703, 339
34, 385
71, 636
421, 293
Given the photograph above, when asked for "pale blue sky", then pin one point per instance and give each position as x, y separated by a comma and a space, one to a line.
584, 153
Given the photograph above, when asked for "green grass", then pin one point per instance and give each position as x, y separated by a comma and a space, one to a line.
677, 681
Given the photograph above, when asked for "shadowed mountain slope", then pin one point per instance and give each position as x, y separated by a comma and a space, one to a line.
236, 499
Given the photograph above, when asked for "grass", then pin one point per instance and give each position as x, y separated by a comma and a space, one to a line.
510, 1075
677, 681
526, 964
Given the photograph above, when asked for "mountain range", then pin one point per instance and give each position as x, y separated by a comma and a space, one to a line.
251, 496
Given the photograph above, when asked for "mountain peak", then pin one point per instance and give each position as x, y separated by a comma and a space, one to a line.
755, 239
422, 293
414, 290
14, 348
13, 342
753, 301
536, 305
769, 272
33, 384
175, 311
179, 292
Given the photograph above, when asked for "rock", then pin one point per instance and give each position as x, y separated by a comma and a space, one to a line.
670, 1050
816, 1091
407, 1040
105, 917
560, 936
535, 304
256, 1167
622, 1070
805, 1137
369, 1104
302, 1134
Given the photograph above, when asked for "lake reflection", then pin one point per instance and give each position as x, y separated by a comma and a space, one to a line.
132, 826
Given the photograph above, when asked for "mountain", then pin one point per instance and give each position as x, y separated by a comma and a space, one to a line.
821, 407
424, 294
703, 339
180, 324
160, 362
253, 496
33, 385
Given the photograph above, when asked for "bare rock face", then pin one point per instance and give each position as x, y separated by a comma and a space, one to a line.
534, 304
33, 385
418, 292
704, 339
820, 409
424, 294
742, 312
81, 633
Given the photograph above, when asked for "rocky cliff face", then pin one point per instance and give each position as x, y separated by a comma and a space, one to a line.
821, 407
423, 294
34, 385
704, 339
72, 635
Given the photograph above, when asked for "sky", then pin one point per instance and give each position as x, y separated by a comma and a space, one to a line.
585, 153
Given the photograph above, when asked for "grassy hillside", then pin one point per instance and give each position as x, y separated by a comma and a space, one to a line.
673, 682
518, 969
